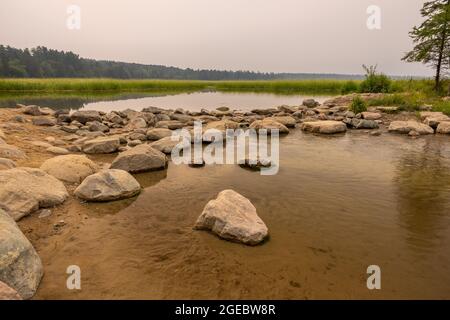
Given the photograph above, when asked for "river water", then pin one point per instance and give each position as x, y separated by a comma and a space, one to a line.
337, 205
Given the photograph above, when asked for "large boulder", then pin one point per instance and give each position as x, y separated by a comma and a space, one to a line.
108, 185
233, 217
70, 168
434, 121
269, 124
20, 266
140, 159
8, 293
137, 123
324, 127
166, 144
443, 128
405, 127
24, 190
11, 152
85, 116
158, 133
101, 145
6, 164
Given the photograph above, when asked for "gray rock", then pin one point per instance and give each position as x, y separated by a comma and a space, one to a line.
158, 133
20, 266
24, 190
108, 185
140, 159
171, 124
233, 217
97, 126
42, 121
32, 110
85, 116
101, 145
310, 103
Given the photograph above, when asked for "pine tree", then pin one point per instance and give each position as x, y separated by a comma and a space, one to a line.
432, 38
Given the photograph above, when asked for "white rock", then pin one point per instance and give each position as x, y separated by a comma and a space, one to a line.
233, 217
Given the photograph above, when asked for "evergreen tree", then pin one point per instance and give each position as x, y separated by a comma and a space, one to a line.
432, 38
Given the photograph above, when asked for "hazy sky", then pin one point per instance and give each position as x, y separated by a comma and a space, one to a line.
318, 36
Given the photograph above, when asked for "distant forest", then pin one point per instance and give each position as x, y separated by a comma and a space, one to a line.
41, 62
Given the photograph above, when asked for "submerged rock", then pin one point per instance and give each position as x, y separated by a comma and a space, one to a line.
324, 127
233, 217
70, 168
140, 159
108, 185
24, 190
20, 266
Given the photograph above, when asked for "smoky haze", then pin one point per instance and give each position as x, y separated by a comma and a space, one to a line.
308, 36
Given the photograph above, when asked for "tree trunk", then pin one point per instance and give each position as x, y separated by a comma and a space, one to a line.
441, 52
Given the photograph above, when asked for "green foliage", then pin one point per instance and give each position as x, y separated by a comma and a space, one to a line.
358, 105
374, 82
350, 87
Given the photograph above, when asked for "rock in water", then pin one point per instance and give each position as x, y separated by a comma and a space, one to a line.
233, 217
24, 190
8, 293
102, 145
405, 127
70, 168
108, 185
325, 127
443, 128
140, 159
20, 266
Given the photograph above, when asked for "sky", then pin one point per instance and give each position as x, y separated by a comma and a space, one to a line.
310, 36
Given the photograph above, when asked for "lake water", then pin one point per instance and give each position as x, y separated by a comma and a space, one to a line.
190, 101
338, 205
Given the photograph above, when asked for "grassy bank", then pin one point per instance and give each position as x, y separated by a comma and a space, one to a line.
280, 87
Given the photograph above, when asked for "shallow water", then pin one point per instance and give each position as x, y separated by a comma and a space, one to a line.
190, 101
337, 205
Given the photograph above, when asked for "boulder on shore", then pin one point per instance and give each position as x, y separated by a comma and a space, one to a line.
324, 127
140, 159
20, 266
158, 133
405, 127
24, 190
85, 116
108, 185
233, 217
70, 168
166, 145
443, 128
11, 152
101, 145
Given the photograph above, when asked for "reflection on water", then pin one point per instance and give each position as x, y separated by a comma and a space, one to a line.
337, 205
190, 101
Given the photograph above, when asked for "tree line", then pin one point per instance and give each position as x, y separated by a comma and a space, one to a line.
41, 62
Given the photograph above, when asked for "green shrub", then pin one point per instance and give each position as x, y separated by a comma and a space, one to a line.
358, 105
349, 87
375, 82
